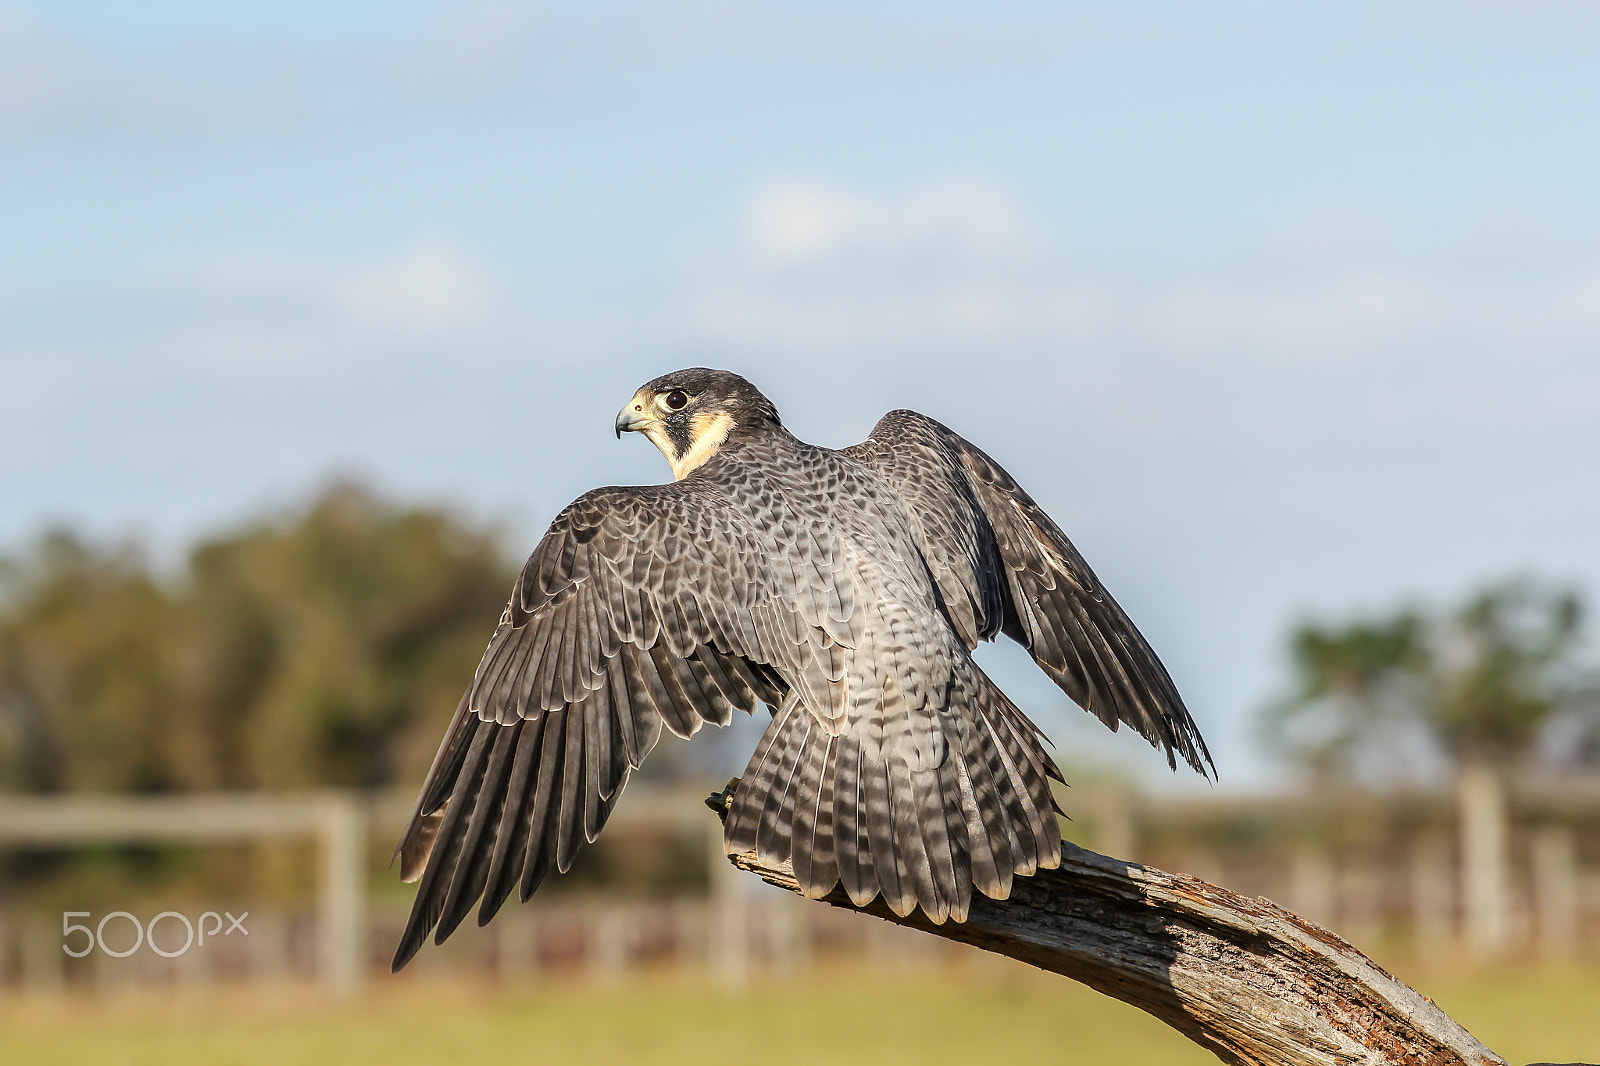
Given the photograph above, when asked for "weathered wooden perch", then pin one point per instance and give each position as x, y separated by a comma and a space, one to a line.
1243, 978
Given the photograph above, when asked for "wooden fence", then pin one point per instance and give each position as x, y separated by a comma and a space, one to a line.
1390, 873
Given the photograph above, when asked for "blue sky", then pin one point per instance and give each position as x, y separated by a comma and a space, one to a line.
1279, 308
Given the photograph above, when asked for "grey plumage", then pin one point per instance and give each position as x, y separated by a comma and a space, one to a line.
843, 589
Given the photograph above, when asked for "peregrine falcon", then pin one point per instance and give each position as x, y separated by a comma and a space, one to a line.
845, 590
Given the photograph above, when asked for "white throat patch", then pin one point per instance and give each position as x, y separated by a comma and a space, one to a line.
710, 430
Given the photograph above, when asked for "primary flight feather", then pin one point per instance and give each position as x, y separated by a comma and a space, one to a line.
844, 590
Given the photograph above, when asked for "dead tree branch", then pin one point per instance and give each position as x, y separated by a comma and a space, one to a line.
1243, 978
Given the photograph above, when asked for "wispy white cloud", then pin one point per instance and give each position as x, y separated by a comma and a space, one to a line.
799, 223
431, 289
946, 268
256, 316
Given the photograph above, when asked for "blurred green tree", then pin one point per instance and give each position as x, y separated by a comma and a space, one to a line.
1491, 681
88, 696
322, 648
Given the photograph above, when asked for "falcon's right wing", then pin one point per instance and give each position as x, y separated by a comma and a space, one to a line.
1002, 565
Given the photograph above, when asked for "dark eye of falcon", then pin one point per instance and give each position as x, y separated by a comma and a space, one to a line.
677, 399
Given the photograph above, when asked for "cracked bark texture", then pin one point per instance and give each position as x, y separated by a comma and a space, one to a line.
1243, 978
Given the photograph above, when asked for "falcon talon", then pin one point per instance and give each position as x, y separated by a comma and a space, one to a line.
844, 590
722, 802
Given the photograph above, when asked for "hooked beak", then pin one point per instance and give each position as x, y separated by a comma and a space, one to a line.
632, 418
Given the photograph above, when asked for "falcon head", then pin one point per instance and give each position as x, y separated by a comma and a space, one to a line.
689, 414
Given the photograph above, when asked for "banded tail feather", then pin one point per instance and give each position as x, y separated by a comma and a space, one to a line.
882, 823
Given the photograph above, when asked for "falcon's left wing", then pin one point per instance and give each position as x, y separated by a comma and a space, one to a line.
640, 607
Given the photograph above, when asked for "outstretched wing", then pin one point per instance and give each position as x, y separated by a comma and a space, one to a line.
1002, 565
641, 606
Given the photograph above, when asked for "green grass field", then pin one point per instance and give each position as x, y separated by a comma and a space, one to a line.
835, 1015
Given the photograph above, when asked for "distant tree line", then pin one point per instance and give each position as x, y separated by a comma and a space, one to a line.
322, 647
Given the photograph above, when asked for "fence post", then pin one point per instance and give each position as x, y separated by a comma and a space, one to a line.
1111, 807
342, 903
42, 956
1555, 886
1433, 902
609, 935
1311, 889
1483, 858
728, 922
